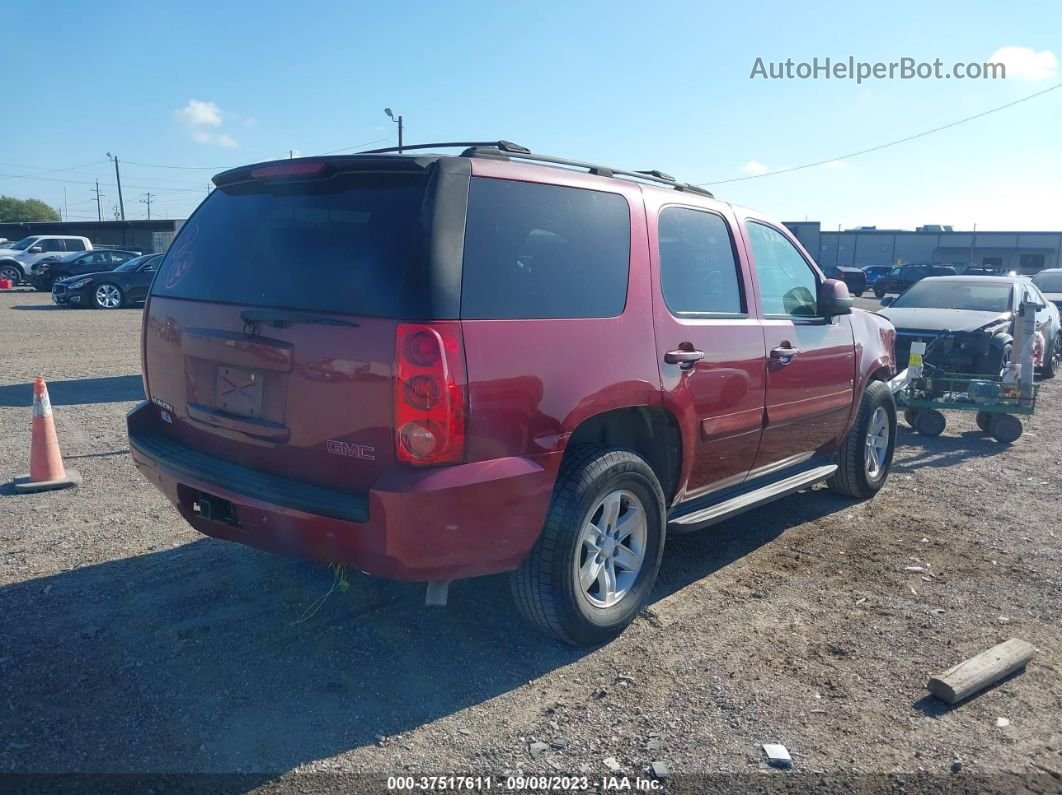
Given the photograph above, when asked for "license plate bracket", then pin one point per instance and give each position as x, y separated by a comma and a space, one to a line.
239, 391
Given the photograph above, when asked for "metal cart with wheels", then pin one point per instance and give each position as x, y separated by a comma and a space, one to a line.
998, 405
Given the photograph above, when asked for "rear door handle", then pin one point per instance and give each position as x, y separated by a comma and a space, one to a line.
682, 357
784, 355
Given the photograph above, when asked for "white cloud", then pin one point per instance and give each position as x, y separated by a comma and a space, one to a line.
199, 114
202, 120
755, 167
834, 164
1024, 62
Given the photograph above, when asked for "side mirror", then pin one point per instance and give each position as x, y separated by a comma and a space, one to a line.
834, 299
887, 300
36, 250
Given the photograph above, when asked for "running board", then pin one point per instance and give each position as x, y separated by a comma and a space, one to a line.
753, 499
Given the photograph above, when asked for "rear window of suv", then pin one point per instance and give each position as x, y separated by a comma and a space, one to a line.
343, 245
544, 251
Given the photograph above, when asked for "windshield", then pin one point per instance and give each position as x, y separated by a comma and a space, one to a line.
1049, 282
957, 294
23, 244
134, 263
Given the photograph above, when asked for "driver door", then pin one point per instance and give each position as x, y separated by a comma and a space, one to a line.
810, 360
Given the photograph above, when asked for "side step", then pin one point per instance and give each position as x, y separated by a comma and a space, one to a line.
752, 499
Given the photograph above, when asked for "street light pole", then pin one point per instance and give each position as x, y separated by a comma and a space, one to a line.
118, 179
397, 121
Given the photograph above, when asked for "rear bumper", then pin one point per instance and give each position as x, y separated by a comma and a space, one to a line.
432, 524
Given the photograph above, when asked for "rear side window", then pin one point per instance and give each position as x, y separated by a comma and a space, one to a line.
543, 251
698, 270
345, 245
75, 245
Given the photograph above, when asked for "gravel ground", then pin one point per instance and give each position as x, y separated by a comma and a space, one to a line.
129, 643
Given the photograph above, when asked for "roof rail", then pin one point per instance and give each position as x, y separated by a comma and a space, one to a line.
504, 146
507, 149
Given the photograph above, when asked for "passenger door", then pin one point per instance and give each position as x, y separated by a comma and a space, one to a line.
810, 360
710, 348
140, 281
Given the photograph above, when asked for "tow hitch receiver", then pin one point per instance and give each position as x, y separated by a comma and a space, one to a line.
213, 509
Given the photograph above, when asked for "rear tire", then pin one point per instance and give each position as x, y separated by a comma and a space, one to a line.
1006, 428
931, 422
910, 416
866, 454
984, 421
596, 560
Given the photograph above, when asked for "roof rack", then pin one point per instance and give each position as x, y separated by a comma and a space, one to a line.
509, 150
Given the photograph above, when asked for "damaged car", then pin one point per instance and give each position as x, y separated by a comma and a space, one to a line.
970, 322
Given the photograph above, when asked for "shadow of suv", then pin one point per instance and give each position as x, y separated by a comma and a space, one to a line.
434, 367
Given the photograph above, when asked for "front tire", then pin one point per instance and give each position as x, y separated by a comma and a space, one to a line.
108, 296
996, 360
596, 560
879, 292
866, 454
1052, 358
11, 272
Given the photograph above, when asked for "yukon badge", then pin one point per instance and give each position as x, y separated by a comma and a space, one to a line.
363, 451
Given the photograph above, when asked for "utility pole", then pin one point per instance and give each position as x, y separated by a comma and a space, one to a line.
66, 207
99, 207
118, 179
397, 121
291, 154
146, 199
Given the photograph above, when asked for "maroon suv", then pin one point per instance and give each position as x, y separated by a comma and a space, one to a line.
432, 367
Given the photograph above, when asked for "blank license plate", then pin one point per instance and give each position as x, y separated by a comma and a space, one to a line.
239, 391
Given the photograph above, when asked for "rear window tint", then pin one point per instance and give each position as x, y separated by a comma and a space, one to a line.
698, 269
343, 245
542, 251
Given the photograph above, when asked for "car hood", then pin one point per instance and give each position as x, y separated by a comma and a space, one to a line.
71, 279
941, 319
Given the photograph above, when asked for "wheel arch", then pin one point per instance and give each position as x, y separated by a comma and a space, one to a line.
651, 431
15, 263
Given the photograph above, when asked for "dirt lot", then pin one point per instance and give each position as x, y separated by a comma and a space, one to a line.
128, 643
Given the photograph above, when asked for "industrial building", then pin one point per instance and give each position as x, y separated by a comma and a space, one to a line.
1022, 252
145, 236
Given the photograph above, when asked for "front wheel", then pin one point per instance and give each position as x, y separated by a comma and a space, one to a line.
866, 454
597, 557
1052, 358
107, 296
879, 291
11, 272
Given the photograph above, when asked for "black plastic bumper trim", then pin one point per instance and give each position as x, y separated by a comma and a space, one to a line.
202, 468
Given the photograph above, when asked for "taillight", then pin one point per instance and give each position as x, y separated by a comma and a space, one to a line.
430, 393
297, 168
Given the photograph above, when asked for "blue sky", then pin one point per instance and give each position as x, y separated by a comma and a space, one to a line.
633, 84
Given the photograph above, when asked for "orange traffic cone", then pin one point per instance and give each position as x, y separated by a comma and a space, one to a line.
46, 462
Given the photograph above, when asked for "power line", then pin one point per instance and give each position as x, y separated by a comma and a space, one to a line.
879, 147
42, 170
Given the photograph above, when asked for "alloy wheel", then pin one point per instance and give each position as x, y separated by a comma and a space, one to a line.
877, 442
611, 548
108, 296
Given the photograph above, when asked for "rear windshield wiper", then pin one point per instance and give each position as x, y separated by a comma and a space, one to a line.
278, 318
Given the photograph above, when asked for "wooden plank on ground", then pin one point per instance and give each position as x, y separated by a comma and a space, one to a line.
977, 673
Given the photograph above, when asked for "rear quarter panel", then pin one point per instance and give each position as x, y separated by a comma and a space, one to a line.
532, 382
